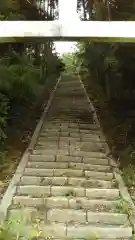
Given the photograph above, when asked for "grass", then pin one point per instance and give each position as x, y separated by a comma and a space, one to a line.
128, 174
124, 207
14, 227
91, 236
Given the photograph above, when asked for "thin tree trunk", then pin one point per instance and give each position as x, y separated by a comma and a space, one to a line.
90, 7
84, 10
108, 92
109, 10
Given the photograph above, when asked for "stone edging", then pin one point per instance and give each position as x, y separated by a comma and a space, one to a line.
7, 198
123, 189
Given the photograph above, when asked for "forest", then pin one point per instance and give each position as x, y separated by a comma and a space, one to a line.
108, 73
29, 70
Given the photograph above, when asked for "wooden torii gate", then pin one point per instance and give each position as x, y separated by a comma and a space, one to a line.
68, 29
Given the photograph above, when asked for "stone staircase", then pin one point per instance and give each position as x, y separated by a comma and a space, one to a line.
68, 184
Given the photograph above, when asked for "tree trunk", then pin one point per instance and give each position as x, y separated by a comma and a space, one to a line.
109, 10
108, 92
84, 10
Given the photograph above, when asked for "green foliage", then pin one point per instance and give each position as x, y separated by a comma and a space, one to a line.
11, 228
18, 82
11, 16
133, 236
19, 85
19, 225
107, 10
14, 227
129, 175
4, 107
92, 236
124, 207
68, 60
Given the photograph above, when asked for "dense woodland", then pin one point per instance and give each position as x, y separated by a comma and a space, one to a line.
111, 70
28, 72
108, 72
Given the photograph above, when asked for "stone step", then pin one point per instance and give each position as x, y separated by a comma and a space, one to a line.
90, 133
90, 193
53, 158
87, 154
42, 158
94, 205
63, 181
51, 152
60, 129
98, 161
65, 87
78, 166
46, 142
71, 133
47, 139
70, 216
73, 153
67, 238
107, 218
98, 231
78, 231
47, 147
90, 127
50, 134
99, 175
88, 146
51, 126
61, 92
90, 167
68, 184
80, 127
48, 165
69, 89
94, 139
72, 140
85, 126
72, 84
53, 121
81, 216
68, 173
53, 129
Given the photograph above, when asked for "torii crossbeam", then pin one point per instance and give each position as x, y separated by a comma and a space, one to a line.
69, 29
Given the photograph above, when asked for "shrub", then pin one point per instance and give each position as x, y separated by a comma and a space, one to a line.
4, 107
19, 82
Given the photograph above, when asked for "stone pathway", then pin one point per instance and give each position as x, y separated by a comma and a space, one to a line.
68, 183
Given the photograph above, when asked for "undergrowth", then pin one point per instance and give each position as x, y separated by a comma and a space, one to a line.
124, 207
19, 86
20, 227
23, 96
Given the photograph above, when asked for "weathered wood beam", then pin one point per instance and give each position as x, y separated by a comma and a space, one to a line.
120, 31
